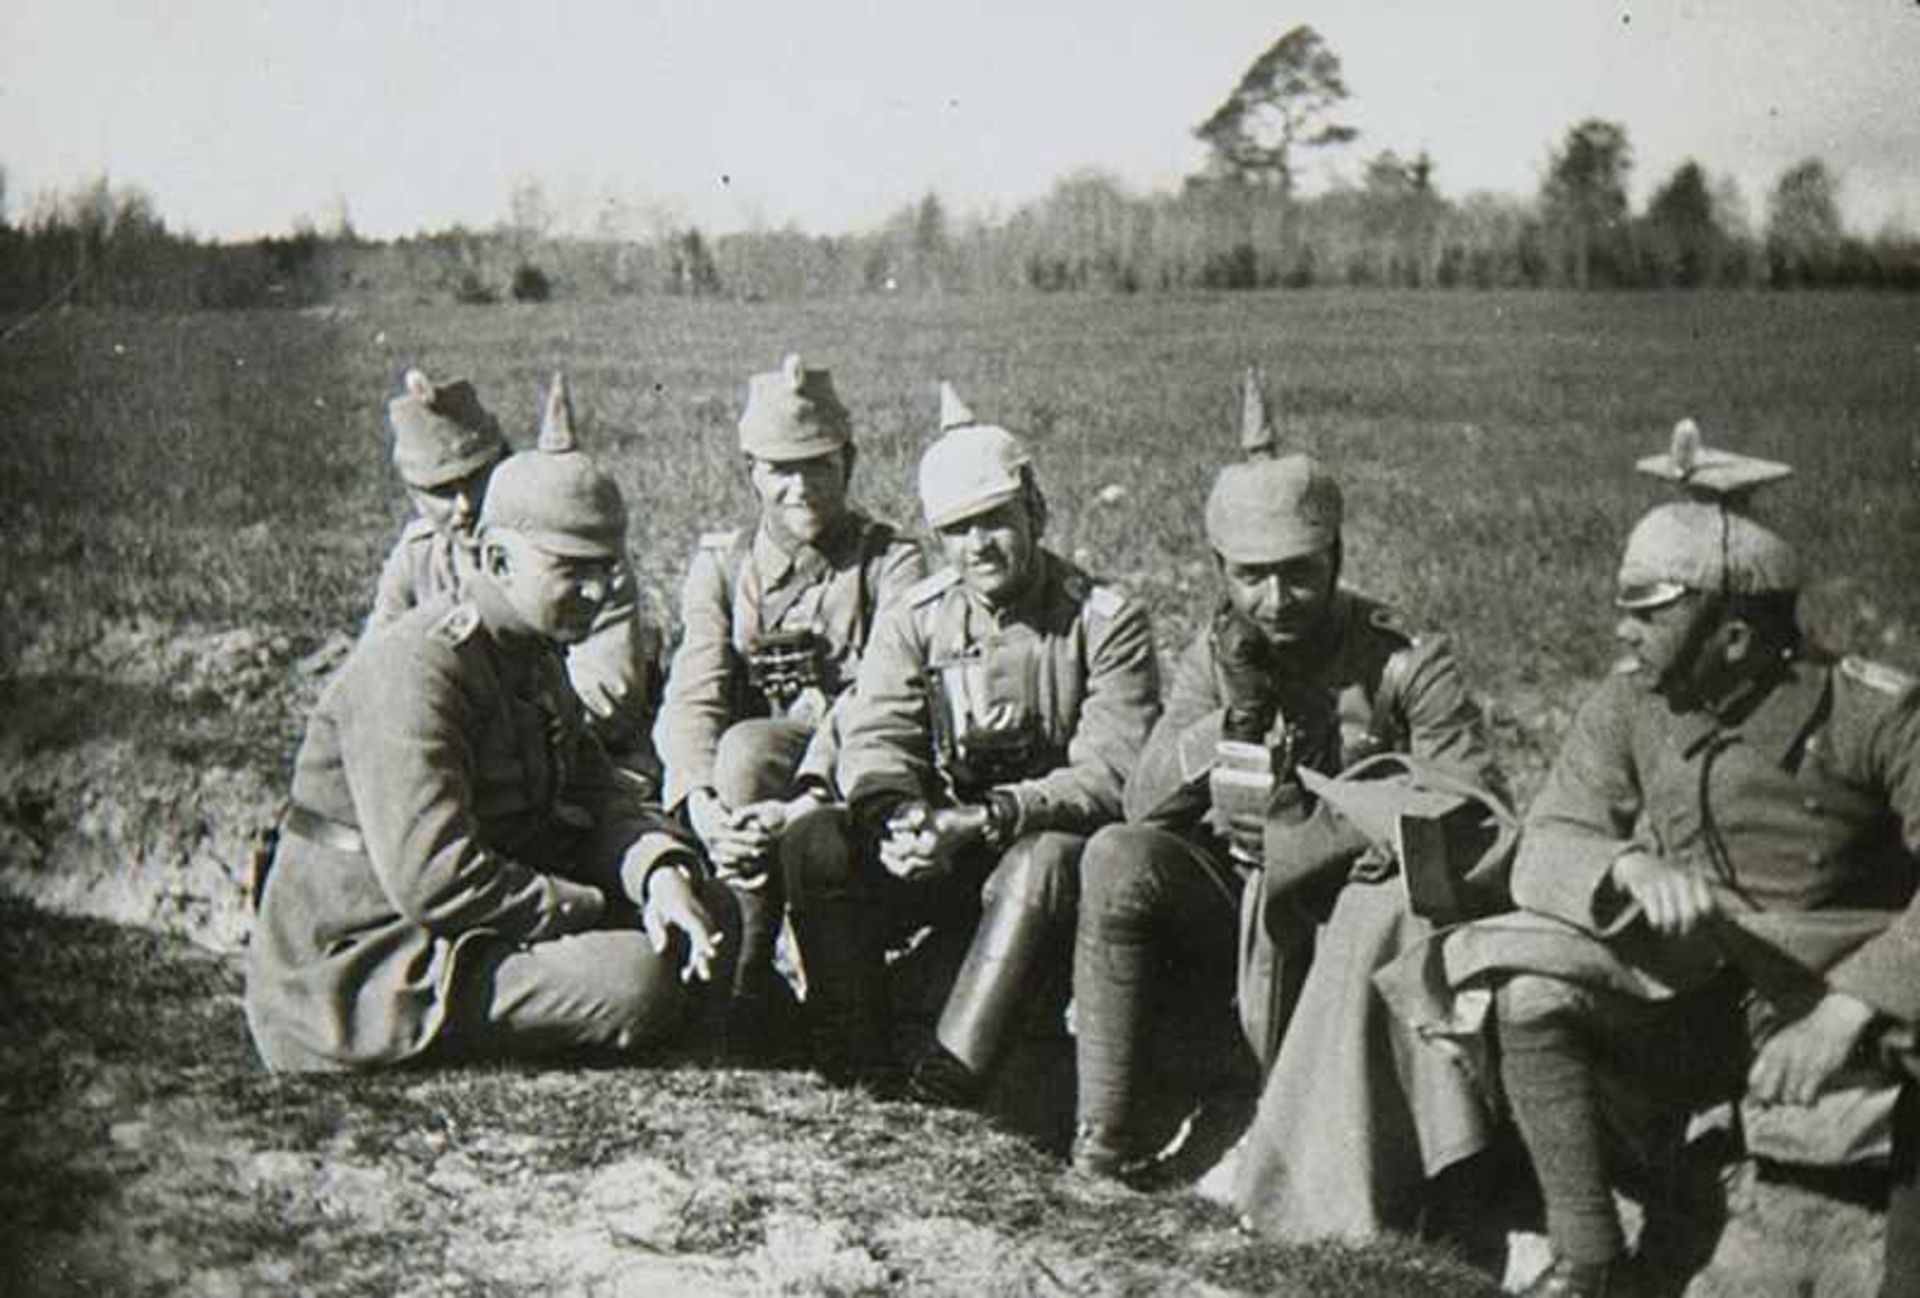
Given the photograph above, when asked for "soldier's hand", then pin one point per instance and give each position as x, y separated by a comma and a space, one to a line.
734, 838
1795, 1064
1674, 900
672, 904
921, 843
603, 693
906, 849
1241, 654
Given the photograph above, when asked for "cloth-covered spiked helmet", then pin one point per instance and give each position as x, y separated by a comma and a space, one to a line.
441, 432
554, 494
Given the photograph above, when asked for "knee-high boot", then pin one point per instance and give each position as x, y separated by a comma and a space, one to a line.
1023, 934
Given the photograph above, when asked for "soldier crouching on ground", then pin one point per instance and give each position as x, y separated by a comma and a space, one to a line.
1718, 888
1294, 676
775, 621
446, 446
460, 874
994, 722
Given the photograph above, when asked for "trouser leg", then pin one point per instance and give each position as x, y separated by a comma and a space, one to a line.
840, 931
606, 992
1025, 928
1153, 915
1591, 1073
1548, 1070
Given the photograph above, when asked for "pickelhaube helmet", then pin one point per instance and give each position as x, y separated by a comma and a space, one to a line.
972, 467
1708, 542
793, 413
1269, 509
441, 433
1696, 545
554, 494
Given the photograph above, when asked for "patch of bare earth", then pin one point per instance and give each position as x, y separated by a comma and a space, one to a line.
144, 1151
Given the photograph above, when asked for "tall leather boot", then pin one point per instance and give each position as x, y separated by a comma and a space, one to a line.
1018, 950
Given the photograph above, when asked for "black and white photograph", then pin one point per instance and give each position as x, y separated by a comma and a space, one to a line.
1069, 647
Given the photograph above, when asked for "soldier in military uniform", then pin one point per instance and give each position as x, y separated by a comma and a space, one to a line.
446, 446
1306, 676
459, 873
1718, 880
995, 719
775, 622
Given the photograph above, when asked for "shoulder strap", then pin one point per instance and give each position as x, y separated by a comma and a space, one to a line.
930, 588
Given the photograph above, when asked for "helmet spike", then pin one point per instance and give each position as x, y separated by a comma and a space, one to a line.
953, 411
556, 428
1257, 435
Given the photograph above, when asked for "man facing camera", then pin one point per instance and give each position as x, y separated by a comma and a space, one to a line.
995, 719
776, 619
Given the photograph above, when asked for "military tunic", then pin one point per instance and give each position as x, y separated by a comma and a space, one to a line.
1349, 1123
463, 812
1070, 664
1809, 803
615, 670
738, 591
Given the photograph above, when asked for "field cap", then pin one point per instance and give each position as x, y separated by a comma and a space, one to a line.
554, 495
793, 413
1695, 545
972, 468
1707, 473
441, 433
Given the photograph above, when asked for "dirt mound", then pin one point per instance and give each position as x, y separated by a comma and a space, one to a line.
140, 761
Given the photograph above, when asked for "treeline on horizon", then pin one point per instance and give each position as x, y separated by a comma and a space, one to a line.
1240, 224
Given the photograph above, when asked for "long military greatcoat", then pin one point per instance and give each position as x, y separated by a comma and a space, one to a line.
461, 800
1353, 1116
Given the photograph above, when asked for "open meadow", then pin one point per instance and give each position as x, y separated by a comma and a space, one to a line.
195, 507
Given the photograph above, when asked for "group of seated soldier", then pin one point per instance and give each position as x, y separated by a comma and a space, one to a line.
506, 839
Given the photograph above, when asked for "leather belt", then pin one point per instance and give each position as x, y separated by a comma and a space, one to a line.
322, 830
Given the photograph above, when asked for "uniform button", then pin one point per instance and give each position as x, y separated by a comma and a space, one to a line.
1813, 804
1813, 743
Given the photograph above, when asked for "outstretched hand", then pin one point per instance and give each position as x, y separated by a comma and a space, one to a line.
672, 905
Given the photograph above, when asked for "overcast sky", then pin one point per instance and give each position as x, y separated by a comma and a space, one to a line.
241, 116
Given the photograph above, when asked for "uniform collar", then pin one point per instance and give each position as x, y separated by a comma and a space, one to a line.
1778, 722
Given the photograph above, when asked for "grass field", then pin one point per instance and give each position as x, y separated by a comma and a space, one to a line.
231, 469
218, 485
